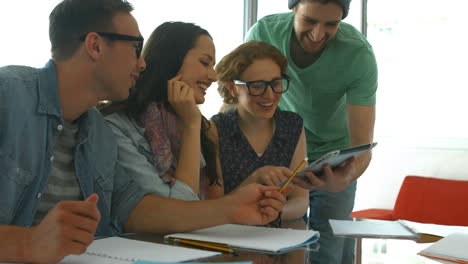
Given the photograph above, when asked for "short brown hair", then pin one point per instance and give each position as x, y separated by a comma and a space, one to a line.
237, 61
70, 19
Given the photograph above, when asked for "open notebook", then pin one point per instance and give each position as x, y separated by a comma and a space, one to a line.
252, 237
119, 250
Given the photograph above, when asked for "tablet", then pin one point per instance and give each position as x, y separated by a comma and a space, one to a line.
335, 159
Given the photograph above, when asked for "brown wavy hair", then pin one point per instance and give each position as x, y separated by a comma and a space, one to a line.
237, 61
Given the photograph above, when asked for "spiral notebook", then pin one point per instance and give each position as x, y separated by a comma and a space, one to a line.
119, 250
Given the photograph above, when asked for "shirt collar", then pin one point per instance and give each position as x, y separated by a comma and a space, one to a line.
49, 100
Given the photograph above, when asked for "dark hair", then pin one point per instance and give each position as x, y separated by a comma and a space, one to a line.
231, 66
72, 18
343, 3
164, 53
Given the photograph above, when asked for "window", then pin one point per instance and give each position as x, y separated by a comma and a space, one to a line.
223, 19
419, 45
421, 52
267, 7
25, 32
28, 41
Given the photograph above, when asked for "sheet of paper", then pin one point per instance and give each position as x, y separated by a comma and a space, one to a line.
371, 229
253, 237
92, 259
121, 250
433, 229
453, 246
148, 262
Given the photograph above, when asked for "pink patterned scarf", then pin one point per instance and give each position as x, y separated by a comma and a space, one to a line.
163, 132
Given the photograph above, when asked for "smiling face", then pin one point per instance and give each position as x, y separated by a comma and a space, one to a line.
197, 68
263, 106
315, 24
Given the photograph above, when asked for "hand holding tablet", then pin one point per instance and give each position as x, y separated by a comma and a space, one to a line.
335, 159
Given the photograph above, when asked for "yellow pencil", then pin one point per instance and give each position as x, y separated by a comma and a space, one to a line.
224, 248
293, 175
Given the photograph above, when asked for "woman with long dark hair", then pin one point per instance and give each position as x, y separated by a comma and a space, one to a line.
160, 130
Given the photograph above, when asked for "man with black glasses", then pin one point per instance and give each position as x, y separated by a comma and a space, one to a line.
333, 86
60, 184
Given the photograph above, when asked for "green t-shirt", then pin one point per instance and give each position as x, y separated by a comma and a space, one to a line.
345, 73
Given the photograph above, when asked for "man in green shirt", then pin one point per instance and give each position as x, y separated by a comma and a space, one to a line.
333, 87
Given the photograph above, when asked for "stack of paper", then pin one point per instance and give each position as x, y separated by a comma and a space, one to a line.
253, 237
119, 250
452, 248
371, 229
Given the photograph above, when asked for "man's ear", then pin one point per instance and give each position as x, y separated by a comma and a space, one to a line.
232, 89
93, 45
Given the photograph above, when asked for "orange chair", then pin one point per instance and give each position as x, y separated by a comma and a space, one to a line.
426, 200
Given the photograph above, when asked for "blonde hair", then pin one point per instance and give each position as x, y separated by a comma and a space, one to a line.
237, 61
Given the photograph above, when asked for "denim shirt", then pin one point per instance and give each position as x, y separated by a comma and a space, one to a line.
136, 156
30, 121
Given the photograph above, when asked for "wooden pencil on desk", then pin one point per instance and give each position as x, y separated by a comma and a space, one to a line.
223, 248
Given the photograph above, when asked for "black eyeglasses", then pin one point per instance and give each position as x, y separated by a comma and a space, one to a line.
257, 88
117, 36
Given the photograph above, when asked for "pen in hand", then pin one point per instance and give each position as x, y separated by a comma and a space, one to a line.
285, 184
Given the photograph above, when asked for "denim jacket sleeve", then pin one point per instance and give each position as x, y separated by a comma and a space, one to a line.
135, 157
98, 172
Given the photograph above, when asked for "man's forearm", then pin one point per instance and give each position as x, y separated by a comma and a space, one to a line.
157, 214
361, 120
13, 244
362, 162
